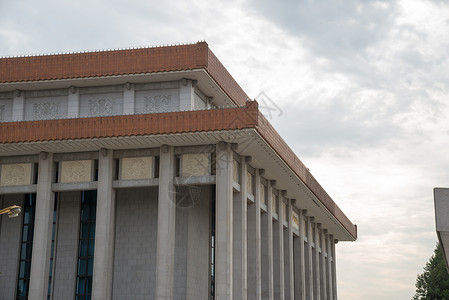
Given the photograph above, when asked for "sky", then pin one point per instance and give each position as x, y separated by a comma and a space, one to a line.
356, 88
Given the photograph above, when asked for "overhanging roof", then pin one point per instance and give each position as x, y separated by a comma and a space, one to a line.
247, 126
193, 61
15, 71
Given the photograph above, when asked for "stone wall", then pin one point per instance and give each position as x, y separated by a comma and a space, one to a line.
10, 234
66, 248
191, 279
135, 244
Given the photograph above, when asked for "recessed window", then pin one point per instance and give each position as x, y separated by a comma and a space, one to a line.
26, 246
212, 245
52, 253
86, 245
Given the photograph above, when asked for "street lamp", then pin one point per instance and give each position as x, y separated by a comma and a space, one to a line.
12, 211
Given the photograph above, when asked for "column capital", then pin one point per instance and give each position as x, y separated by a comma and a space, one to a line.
43, 155
164, 148
104, 152
222, 145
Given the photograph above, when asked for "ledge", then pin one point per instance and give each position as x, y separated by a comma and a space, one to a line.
195, 180
76, 186
118, 184
18, 189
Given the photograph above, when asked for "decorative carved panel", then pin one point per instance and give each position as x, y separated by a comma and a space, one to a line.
46, 110
295, 220
15, 174
157, 103
195, 164
249, 183
76, 171
137, 168
101, 107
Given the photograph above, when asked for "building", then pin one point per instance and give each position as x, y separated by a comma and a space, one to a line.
441, 200
149, 174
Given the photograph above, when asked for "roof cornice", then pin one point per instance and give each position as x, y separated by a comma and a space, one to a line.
237, 118
120, 63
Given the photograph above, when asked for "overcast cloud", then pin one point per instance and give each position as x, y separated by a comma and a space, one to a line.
361, 87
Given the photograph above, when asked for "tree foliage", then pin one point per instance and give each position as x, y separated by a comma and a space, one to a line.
433, 283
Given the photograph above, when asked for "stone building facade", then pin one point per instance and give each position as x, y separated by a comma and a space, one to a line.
149, 174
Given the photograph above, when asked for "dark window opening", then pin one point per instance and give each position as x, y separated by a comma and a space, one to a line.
26, 246
52, 253
86, 245
212, 243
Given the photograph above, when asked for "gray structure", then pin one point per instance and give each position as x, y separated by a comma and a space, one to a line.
441, 198
149, 174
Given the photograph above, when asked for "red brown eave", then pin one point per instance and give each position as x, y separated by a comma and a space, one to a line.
121, 62
237, 118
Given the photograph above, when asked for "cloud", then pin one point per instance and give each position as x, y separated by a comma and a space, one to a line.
54, 26
331, 28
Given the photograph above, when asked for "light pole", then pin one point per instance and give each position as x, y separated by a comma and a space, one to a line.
12, 211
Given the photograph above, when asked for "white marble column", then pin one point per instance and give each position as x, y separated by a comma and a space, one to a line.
300, 267
267, 251
309, 262
186, 95
43, 224
240, 237
334, 268
104, 228
316, 266
257, 237
73, 102
166, 223
288, 259
329, 242
278, 253
224, 230
323, 277
18, 105
254, 242
128, 99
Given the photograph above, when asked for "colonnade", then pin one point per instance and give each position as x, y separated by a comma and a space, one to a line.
270, 248
266, 246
